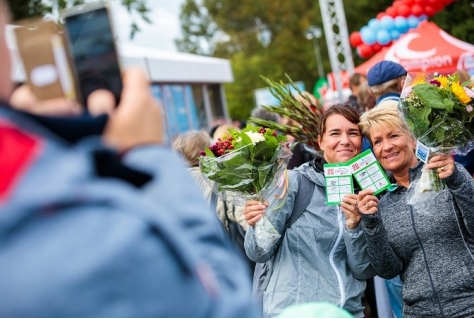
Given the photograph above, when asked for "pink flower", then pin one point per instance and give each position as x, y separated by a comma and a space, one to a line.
469, 108
406, 92
435, 83
469, 92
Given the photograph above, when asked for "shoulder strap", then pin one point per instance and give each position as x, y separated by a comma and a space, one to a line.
303, 197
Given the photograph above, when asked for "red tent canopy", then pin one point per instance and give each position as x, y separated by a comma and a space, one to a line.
426, 49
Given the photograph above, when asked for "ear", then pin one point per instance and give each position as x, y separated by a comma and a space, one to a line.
320, 139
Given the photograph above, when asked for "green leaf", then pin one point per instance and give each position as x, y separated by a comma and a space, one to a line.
429, 95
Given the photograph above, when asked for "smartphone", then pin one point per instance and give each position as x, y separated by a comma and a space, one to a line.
92, 49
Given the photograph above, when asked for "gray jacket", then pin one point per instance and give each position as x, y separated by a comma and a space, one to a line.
319, 259
430, 247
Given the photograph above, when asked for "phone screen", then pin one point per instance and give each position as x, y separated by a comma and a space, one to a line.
93, 50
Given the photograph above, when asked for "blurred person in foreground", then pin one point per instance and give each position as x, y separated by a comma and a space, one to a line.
99, 220
429, 244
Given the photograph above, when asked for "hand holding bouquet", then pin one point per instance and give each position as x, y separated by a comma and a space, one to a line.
250, 164
439, 111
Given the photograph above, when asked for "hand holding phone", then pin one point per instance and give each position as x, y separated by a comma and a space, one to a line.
92, 48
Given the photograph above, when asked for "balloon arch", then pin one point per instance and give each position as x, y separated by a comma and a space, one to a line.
389, 25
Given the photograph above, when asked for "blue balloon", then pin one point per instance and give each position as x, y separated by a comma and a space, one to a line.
374, 24
413, 22
394, 34
401, 24
387, 23
423, 17
367, 35
383, 37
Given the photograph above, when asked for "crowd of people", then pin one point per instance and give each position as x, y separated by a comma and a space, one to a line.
99, 219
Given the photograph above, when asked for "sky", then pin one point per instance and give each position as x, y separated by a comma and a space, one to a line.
160, 34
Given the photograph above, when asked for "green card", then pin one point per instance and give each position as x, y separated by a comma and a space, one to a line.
338, 179
368, 172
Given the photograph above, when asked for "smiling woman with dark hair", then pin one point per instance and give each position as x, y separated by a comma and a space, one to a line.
322, 256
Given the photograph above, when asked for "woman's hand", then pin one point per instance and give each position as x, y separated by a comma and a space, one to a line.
351, 212
253, 211
367, 202
443, 164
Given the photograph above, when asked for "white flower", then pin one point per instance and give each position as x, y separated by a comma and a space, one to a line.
469, 109
255, 137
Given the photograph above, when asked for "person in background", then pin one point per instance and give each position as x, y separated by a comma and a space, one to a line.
429, 244
190, 145
355, 82
221, 131
365, 99
323, 255
467, 160
100, 220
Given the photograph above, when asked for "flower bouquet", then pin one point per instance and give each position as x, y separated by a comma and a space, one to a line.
250, 164
439, 111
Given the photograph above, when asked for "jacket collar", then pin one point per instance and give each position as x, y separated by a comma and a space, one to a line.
388, 96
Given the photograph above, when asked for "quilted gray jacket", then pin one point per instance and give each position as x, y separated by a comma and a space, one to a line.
430, 246
319, 259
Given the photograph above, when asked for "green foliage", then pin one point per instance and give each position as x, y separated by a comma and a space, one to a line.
250, 165
38, 8
267, 37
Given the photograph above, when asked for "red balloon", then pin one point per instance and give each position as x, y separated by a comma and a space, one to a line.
381, 15
420, 2
429, 11
447, 2
376, 47
355, 39
403, 10
437, 5
408, 2
417, 10
364, 51
391, 11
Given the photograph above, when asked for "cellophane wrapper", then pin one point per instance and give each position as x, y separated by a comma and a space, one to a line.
440, 120
237, 177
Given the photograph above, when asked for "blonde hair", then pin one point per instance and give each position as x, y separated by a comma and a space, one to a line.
190, 145
380, 117
223, 130
392, 86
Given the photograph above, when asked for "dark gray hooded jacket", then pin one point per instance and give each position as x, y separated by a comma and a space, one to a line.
430, 246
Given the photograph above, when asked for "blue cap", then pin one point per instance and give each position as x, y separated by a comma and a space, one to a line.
384, 71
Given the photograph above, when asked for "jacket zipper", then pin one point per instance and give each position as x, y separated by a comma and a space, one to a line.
331, 258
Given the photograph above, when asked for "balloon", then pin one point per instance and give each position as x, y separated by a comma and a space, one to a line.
430, 11
383, 37
394, 34
446, 2
413, 22
374, 24
355, 39
409, 2
416, 10
420, 2
391, 11
401, 24
367, 35
403, 10
364, 51
376, 47
423, 17
380, 15
387, 23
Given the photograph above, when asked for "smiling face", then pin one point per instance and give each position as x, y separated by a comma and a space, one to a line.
341, 139
393, 148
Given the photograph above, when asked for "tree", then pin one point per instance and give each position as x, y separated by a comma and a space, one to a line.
38, 8
267, 37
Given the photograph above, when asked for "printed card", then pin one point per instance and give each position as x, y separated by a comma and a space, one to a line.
422, 151
368, 172
338, 182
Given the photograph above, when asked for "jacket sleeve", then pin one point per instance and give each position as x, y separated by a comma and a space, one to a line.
357, 255
277, 218
173, 187
384, 260
461, 185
